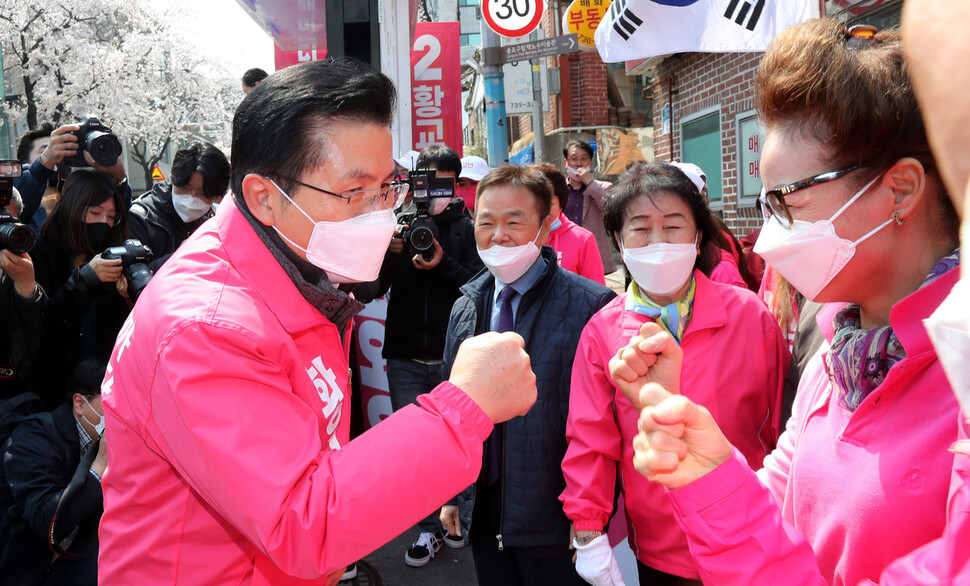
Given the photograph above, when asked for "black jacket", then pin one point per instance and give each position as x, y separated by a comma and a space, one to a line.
550, 317
82, 317
419, 305
39, 460
21, 319
153, 220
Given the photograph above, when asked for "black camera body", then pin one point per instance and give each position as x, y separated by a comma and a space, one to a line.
14, 236
422, 231
96, 138
134, 255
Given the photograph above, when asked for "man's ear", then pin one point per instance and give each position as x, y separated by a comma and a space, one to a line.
78, 402
262, 198
908, 186
545, 228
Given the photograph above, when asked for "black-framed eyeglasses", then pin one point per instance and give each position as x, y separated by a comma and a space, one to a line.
394, 192
774, 199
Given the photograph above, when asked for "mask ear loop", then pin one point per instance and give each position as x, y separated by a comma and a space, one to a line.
858, 194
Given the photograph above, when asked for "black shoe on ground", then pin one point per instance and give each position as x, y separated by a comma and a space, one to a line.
453, 541
422, 551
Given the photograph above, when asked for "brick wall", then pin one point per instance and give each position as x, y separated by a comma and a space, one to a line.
700, 81
589, 103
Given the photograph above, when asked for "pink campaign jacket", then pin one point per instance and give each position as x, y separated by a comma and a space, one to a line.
857, 490
226, 408
576, 250
735, 361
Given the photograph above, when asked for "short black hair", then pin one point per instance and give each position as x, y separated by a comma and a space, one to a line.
27, 141
209, 161
88, 375
642, 179
528, 178
560, 190
442, 157
577, 143
254, 76
279, 129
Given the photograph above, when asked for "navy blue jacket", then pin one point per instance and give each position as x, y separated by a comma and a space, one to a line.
550, 317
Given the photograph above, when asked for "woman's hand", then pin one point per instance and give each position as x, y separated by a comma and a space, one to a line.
21, 269
108, 271
678, 441
653, 356
450, 519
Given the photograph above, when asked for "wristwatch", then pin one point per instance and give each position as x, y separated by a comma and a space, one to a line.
588, 537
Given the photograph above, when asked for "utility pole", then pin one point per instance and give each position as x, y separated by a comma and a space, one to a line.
538, 132
495, 131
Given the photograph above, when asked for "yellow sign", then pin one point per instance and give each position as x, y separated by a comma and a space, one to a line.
582, 17
157, 174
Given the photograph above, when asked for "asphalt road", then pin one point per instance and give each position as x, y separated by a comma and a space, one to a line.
450, 567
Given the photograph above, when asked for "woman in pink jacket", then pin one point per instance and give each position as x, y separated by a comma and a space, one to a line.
862, 473
664, 229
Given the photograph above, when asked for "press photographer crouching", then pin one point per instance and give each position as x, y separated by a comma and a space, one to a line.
21, 300
166, 216
88, 293
51, 490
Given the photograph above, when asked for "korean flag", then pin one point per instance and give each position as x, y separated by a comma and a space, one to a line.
640, 29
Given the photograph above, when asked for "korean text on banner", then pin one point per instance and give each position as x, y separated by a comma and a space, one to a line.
436, 86
640, 29
284, 59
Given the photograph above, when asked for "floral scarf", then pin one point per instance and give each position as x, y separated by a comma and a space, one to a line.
673, 317
859, 359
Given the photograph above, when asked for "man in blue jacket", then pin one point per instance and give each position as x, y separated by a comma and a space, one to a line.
511, 515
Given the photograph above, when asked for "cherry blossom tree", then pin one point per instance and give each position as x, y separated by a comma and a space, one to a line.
119, 61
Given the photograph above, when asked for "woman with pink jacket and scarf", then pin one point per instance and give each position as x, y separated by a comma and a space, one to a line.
861, 475
736, 360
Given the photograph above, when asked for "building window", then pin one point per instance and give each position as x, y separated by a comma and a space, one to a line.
751, 141
701, 140
470, 40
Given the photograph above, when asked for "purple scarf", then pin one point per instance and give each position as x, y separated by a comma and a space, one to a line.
859, 359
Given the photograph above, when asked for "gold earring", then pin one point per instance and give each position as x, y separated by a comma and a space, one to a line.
899, 221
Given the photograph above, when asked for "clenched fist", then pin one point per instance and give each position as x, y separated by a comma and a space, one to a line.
495, 371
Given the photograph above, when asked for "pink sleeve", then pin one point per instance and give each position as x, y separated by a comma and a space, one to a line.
737, 534
945, 560
593, 437
777, 466
591, 265
727, 272
235, 432
599, 192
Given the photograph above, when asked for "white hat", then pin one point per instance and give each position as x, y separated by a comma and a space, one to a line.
694, 173
408, 160
473, 168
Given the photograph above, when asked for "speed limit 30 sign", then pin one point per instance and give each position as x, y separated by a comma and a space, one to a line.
512, 18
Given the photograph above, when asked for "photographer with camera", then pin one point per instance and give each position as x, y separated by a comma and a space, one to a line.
21, 299
430, 257
168, 214
46, 153
87, 290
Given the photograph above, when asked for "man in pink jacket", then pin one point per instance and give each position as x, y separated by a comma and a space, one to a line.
229, 461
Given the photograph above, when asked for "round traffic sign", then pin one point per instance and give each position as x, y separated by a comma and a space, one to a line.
512, 18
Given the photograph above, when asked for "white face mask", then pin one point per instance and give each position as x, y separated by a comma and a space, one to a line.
99, 426
508, 263
810, 254
661, 268
438, 205
350, 251
189, 208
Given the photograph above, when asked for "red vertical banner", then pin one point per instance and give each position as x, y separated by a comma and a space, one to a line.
436, 86
287, 58
374, 395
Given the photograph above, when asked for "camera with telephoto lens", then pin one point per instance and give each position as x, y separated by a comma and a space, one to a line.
14, 236
96, 138
422, 231
134, 255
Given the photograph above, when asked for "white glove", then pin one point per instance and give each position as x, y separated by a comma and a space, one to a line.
596, 563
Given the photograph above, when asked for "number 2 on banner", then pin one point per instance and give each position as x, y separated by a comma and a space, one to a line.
512, 18
423, 70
